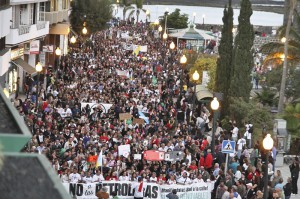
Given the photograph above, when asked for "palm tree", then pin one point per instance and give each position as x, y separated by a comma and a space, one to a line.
127, 6
139, 8
290, 47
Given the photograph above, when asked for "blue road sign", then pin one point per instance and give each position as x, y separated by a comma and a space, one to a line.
228, 146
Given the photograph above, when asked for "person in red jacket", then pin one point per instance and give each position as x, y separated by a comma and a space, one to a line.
201, 161
208, 161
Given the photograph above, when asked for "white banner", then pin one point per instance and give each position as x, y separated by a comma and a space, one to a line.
103, 106
48, 48
125, 190
34, 47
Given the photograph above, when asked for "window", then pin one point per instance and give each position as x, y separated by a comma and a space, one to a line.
2, 43
23, 14
4, 3
42, 11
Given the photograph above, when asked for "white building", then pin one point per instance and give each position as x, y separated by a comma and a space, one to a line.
5, 17
27, 29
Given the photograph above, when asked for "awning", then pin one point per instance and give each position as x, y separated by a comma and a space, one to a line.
21, 63
203, 92
60, 29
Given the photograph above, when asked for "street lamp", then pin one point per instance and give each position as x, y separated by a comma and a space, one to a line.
183, 61
282, 56
165, 36
283, 39
203, 17
148, 15
84, 30
214, 106
195, 77
58, 53
73, 39
156, 22
172, 46
268, 143
159, 28
38, 69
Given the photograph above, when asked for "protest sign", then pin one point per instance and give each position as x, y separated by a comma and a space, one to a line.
138, 121
125, 116
125, 190
137, 156
124, 150
104, 107
153, 155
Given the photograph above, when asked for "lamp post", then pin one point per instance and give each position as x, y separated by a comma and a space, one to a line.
214, 106
58, 53
195, 77
268, 143
172, 45
203, 17
38, 69
183, 61
73, 39
148, 15
165, 36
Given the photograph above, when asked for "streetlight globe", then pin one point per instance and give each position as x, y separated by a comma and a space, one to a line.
172, 45
84, 30
215, 104
147, 12
194, 14
196, 76
73, 39
165, 35
203, 16
58, 51
183, 59
159, 28
38, 67
156, 22
282, 56
283, 39
268, 142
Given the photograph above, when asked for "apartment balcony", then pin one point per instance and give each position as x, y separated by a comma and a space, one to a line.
18, 2
56, 16
27, 32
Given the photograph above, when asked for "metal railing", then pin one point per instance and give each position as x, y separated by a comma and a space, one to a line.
40, 25
24, 29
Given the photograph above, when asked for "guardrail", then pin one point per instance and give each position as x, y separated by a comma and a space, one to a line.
41, 25
24, 29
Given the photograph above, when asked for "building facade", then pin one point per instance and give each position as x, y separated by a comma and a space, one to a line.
5, 18
27, 30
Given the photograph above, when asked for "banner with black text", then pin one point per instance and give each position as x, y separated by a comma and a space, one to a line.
125, 190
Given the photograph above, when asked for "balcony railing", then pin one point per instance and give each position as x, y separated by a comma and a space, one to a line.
24, 29
40, 25
56, 16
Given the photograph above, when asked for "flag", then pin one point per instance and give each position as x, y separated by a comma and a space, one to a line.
136, 51
99, 160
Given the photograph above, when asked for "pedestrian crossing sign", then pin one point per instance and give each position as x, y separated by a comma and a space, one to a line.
228, 146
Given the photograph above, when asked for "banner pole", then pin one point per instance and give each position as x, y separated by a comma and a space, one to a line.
226, 164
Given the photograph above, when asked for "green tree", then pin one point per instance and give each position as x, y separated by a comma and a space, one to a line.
175, 20
224, 62
96, 13
205, 63
243, 54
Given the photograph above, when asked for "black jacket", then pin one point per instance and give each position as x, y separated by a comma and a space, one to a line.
287, 189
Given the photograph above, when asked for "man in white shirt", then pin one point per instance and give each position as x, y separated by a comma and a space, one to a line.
184, 179
88, 178
65, 177
241, 143
235, 132
139, 189
98, 177
198, 179
75, 176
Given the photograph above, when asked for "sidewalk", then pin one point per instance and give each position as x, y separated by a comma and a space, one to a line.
285, 171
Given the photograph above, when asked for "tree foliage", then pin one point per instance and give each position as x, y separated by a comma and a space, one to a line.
292, 116
175, 20
267, 97
96, 13
224, 62
243, 54
206, 63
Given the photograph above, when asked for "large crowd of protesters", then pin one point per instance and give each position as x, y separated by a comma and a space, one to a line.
71, 136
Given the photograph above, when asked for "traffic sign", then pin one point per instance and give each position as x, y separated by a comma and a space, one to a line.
228, 146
